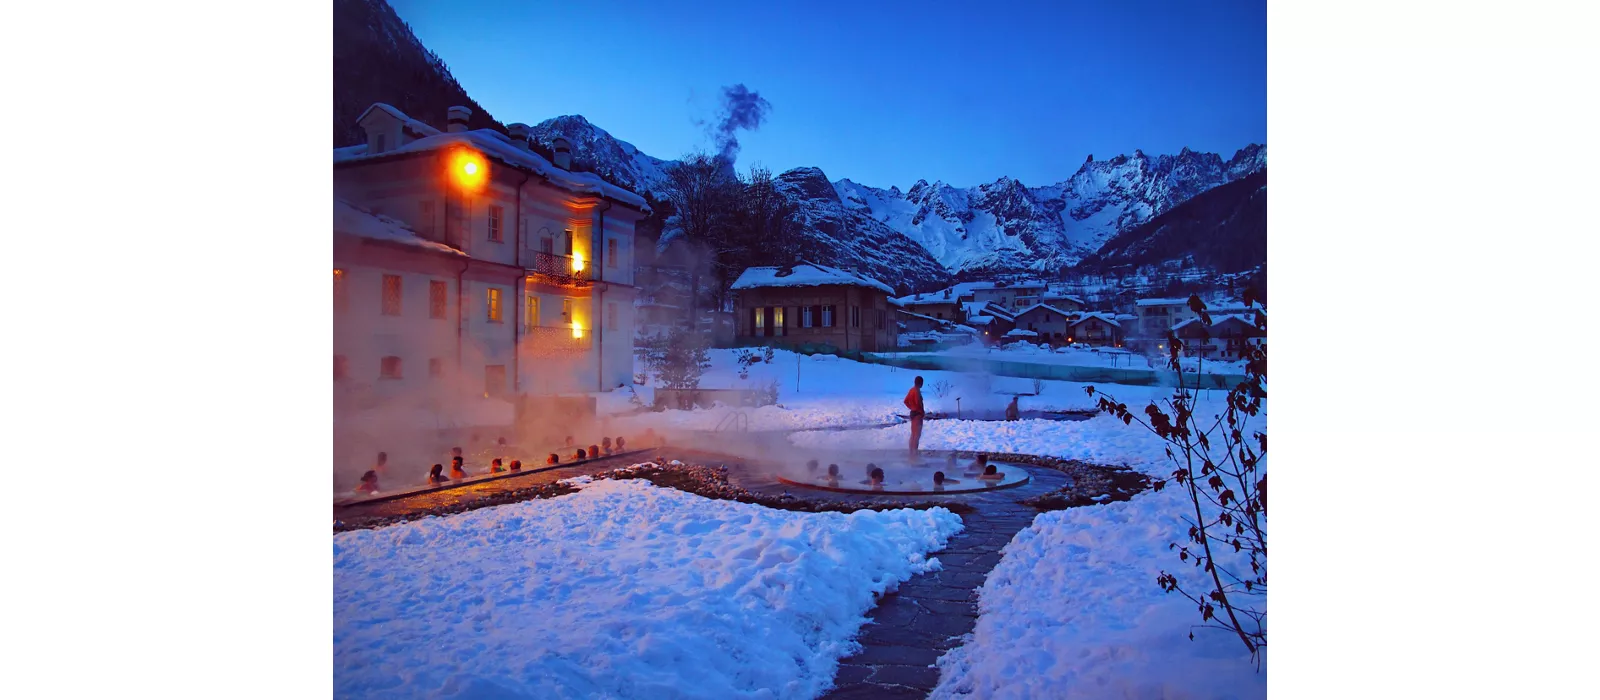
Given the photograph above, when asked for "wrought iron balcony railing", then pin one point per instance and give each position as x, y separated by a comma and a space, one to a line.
556, 340
561, 269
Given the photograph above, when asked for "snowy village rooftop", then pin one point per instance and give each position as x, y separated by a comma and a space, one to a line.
1003, 284
494, 145
354, 221
1046, 307
1160, 302
804, 275
1058, 296
1108, 318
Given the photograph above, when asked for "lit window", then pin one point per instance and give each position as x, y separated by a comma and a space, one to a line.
389, 368
341, 367
494, 305
435, 367
611, 316
611, 253
437, 299
530, 311
341, 292
494, 223
760, 320
566, 310
391, 295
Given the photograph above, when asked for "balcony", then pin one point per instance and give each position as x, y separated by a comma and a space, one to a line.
552, 341
560, 269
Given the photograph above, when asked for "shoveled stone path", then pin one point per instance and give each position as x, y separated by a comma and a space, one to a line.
914, 626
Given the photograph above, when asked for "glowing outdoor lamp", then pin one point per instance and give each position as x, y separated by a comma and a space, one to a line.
577, 261
577, 330
468, 169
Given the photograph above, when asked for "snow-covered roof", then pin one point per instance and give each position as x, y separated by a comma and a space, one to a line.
1057, 296
1025, 284
1185, 323
1161, 302
419, 128
928, 298
804, 275
496, 145
921, 316
355, 221
1099, 315
1020, 333
1246, 320
1127, 317
1046, 307
980, 320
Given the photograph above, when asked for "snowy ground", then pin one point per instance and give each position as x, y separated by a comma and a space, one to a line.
821, 391
1080, 356
621, 590
1101, 440
662, 592
1073, 610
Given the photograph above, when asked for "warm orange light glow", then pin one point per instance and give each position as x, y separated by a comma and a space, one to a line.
577, 261
469, 170
577, 330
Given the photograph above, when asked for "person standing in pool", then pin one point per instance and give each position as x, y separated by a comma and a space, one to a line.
914, 405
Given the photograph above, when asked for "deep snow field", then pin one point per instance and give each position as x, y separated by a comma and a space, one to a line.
622, 590
835, 392
629, 590
1073, 608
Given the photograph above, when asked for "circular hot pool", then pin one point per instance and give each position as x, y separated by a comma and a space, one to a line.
903, 479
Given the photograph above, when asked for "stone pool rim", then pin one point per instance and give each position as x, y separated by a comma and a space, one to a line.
1026, 478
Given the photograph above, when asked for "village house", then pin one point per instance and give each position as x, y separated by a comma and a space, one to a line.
808, 303
1155, 318
1232, 334
1063, 301
1225, 339
1010, 295
464, 258
944, 304
991, 320
1048, 321
1095, 328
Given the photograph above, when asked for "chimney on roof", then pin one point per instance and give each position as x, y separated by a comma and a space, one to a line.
561, 149
947, 294
519, 135
456, 118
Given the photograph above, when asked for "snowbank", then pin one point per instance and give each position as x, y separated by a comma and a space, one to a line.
1100, 440
1073, 610
621, 590
824, 391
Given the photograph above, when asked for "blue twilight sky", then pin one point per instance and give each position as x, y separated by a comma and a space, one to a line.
883, 93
